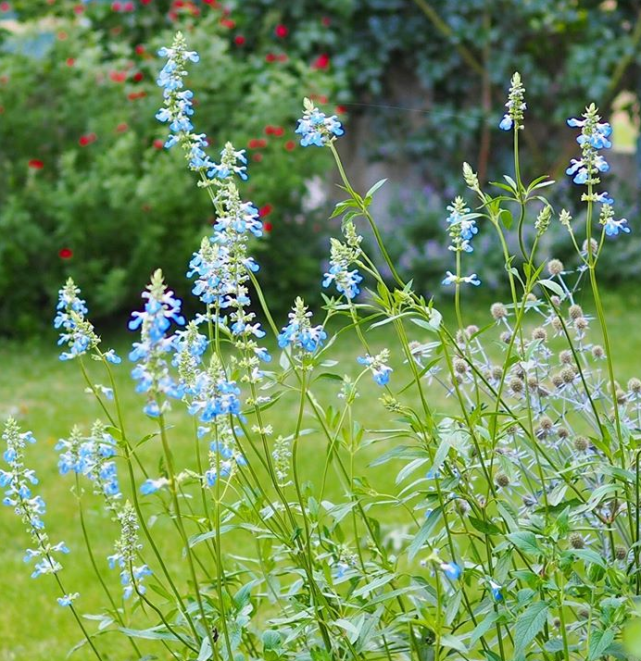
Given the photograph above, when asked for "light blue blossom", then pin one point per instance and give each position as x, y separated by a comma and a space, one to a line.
152, 371
315, 128
127, 552
68, 599
496, 590
451, 570
377, 365
450, 279
18, 480
342, 256
515, 105
150, 486
299, 332
111, 357
77, 333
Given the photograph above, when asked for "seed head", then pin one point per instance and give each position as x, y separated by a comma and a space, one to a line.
577, 541
620, 552
502, 480
566, 357
516, 385
597, 351
557, 324
540, 334
555, 267
568, 375
497, 373
460, 366
575, 311
506, 336
634, 385
498, 311
581, 443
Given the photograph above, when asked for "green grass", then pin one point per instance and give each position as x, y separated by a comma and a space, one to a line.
47, 396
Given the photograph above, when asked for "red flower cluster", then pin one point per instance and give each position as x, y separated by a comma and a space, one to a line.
36, 164
87, 139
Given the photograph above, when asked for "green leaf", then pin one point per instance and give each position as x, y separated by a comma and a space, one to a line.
552, 286
590, 556
506, 218
529, 623
375, 187
148, 634
425, 531
525, 541
483, 627
454, 642
599, 643
485, 527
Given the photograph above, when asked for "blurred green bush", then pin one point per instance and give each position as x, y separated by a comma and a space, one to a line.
86, 190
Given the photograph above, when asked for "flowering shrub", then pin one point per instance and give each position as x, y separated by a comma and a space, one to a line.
513, 531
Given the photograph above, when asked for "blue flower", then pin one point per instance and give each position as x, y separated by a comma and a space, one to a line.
78, 333
496, 590
506, 123
112, 357
451, 570
315, 128
299, 332
612, 227
68, 599
450, 279
377, 364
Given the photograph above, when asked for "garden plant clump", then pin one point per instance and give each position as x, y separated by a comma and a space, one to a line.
513, 530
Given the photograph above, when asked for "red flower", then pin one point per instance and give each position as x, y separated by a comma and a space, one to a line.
62, 35
268, 227
87, 139
341, 110
158, 143
278, 131
213, 3
65, 253
321, 62
5, 6
36, 164
290, 145
122, 127
145, 2
228, 23
281, 31
269, 129
140, 49
239, 40
326, 21
270, 57
116, 6
265, 210
138, 76
70, 61
118, 76
282, 57
128, 6
258, 157
79, 9
132, 96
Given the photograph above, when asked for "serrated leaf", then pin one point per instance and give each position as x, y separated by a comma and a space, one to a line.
599, 643
528, 625
525, 541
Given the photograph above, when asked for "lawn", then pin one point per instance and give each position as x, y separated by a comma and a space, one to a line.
47, 397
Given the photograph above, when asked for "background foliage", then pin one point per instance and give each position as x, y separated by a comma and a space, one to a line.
81, 170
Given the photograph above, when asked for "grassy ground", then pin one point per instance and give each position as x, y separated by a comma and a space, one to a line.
47, 397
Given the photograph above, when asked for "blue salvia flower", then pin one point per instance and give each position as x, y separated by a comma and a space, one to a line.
93, 458
496, 590
515, 105
77, 332
212, 395
342, 256
377, 365
150, 485
611, 226
299, 332
451, 570
315, 128
594, 136
451, 279
461, 226
152, 371
224, 455
126, 554
17, 481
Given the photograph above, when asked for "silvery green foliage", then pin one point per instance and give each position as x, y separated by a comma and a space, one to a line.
512, 531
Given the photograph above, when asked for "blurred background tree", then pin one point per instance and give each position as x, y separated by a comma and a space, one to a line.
87, 190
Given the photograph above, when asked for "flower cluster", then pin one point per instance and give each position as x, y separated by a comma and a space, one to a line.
18, 480
378, 366
594, 136
77, 332
315, 128
224, 454
342, 256
515, 105
462, 229
92, 457
126, 554
299, 332
152, 370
